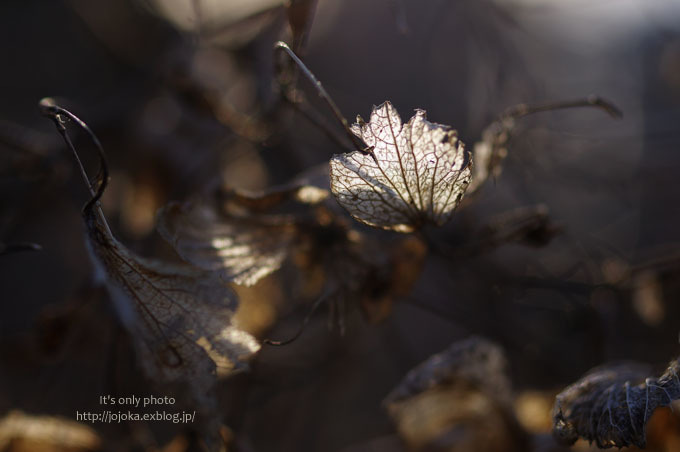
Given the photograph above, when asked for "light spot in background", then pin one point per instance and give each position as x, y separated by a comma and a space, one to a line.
534, 410
257, 311
244, 168
648, 298
140, 201
615, 270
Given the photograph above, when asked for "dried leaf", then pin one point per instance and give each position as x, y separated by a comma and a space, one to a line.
490, 152
241, 241
19, 431
413, 174
475, 360
612, 404
251, 234
243, 250
458, 400
179, 316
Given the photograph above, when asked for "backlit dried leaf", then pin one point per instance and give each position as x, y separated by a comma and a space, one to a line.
180, 317
413, 174
612, 404
250, 235
490, 152
240, 240
242, 249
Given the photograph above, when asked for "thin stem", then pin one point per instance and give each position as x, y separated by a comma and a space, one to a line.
591, 101
10, 248
54, 112
302, 327
359, 146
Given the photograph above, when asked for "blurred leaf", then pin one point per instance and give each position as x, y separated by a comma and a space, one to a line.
458, 400
240, 240
475, 360
244, 250
611, 405
490, 152
234, 23
179, 316
19, 431
411, 175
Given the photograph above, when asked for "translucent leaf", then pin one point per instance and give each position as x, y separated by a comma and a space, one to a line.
612, 404
240, 240
179, 316
490, 152
413, 174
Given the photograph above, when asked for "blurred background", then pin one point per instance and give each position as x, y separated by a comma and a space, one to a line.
183, 96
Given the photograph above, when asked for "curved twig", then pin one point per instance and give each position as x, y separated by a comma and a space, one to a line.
55, 112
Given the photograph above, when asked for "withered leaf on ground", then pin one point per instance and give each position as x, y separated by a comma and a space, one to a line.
611, 405
413, 174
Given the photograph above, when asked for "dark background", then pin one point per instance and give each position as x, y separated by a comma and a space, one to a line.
179, 111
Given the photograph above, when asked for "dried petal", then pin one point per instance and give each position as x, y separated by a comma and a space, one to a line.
415, 174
